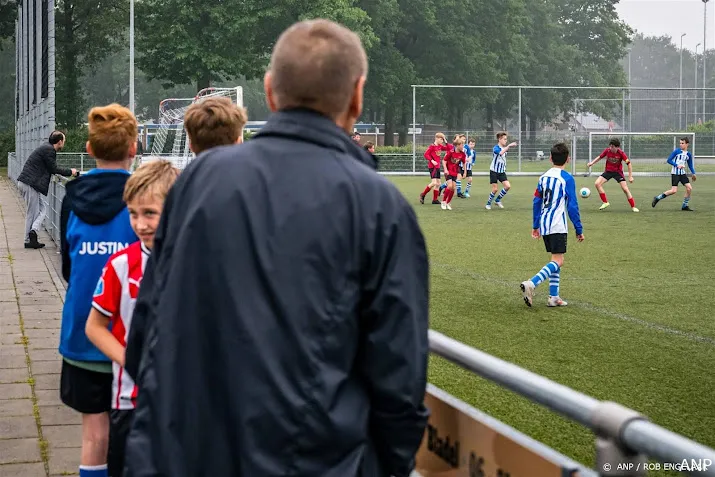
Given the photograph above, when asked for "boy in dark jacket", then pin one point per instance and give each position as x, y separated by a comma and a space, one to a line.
94, 225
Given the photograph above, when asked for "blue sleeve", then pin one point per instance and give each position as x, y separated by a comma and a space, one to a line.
671, 159
572, 204
538, 199
497, 149
690, 162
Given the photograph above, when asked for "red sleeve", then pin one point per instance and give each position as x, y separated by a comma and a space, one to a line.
447, 157
108, 293
604, 153
624, 157
428, 154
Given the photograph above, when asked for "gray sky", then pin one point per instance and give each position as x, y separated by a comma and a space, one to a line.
670, 17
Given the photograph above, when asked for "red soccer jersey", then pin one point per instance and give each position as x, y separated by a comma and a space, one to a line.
115, 297
614, 160
453, 159
432, 155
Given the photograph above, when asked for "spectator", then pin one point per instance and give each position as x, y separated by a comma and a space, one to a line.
369, 147
34, 183
287, 331
214, 122
356, 137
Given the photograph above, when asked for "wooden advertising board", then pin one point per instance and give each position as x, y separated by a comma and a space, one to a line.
461, 441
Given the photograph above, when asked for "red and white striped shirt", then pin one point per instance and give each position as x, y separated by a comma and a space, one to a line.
115, 297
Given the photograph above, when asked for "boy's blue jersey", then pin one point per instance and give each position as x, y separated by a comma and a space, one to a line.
555, 195
498, 160
471, 157
94, 225
679, 158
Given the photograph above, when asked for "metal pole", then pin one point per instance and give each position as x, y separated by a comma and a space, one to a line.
680, 114
520, 130
705, 49
414, 129
695, 119
630, 103
131, 56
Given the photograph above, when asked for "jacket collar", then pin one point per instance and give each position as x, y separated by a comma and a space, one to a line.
310, 126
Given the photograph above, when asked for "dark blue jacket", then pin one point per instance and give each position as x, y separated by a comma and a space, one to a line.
287, 315
94, 223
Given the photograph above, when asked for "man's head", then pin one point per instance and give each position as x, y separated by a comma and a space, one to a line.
502, 138
112, 135
559, 154
144, 193
614, 144
684, 143
214, 122
369, 147
319, 65
57, 139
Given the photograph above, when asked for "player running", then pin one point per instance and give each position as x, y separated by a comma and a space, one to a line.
678, 158
433, 164
497, 170
466, 171
451, 163
614, 170
555, 194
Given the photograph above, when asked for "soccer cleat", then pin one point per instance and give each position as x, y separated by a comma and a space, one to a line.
444, 206
466, 195
635, 209
488, 207
687, 209
655, 201
436, 202
461, 196
499, 204
556, 301
422, 199
604, 205
449, 207
527, 289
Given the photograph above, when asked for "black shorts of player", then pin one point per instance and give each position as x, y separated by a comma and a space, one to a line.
676, 179
85, 391
613, 175
555, 243
495, 177
469, 173
450, 178
120, 422
434, 172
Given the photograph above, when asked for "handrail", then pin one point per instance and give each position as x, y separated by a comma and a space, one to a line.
621, 432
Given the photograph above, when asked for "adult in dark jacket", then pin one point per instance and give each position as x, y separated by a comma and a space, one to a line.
287, 302
34, 182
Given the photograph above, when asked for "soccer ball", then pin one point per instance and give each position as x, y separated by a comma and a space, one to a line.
585, 192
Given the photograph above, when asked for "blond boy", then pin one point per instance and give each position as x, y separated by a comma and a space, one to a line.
116, 293
434, 164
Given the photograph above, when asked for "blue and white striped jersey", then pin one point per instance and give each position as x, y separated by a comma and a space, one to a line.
471, 157
555, 195
679, 158
498, 159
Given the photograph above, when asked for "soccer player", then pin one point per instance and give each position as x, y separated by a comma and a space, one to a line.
451, 163
471, 159
433, 164
555, 194
614, 170
116, 292
678, 158
497, 170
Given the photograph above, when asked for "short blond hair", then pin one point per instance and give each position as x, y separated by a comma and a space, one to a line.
112, 131
316, 64
214, 122
440, 135
458, 141
154, 177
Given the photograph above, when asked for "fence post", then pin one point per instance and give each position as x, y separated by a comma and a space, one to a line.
414, 129
613, 458
81, 162
520, 129
573, 154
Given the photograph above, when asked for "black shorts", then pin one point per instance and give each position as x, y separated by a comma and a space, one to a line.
120, 422
613, 175
676, 179
555, 243
450, 178
495, 177
469, 173
434, 172
85, 391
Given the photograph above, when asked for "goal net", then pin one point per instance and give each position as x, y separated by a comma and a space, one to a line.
168, 139
648, 152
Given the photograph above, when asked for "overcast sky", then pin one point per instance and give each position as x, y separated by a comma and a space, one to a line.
671, 17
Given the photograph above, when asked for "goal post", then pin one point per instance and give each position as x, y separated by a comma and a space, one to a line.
647, 151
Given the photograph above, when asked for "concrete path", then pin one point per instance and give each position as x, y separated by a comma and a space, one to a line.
39, 436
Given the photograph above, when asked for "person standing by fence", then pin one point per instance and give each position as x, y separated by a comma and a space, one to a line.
34, 183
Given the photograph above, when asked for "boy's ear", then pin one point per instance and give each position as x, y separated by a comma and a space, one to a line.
133, 150
191, 147
240, 139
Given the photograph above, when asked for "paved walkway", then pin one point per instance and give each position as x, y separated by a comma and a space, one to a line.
39, 436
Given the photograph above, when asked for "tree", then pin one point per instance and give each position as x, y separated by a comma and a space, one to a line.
8, 15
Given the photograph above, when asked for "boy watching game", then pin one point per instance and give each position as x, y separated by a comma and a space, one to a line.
214, 122
94, 224
116, 294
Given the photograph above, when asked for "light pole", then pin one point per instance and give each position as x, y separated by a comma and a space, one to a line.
695, 119
705, 48
680, 114
131, 56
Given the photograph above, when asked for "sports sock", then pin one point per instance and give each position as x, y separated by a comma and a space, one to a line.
93, 471
442, 187
603, 198
424, 192
491, 198
686, 201
459, 187
435, 194
469, 186
501, 195
661, 196
554, 281
448, 196
632, 201
544, 273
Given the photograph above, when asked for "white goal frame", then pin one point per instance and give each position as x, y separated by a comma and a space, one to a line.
622, 135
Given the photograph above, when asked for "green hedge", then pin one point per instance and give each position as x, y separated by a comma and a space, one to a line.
7, 145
